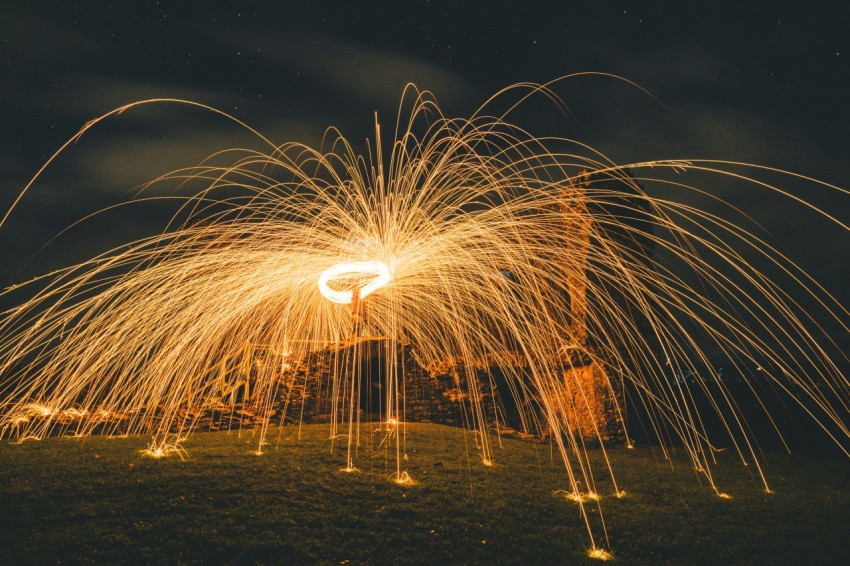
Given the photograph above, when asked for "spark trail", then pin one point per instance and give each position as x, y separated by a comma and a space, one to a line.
463, 243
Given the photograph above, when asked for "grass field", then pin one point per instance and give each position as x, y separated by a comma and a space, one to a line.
99, 500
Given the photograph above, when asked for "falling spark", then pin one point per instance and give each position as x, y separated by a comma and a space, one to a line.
600, 554
164, 446
402, 478
578, 497
465, 242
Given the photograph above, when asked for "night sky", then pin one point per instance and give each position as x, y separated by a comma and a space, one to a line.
762, 84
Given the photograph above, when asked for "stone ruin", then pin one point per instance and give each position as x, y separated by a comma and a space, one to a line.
442, 393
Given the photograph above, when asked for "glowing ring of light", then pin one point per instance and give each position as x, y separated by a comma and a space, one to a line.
353, 269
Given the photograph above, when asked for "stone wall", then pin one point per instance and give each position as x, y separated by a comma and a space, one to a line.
442, 394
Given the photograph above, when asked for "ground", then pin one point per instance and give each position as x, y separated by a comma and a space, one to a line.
100, 500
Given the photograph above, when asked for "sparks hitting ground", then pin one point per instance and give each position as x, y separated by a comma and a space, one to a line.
469, 240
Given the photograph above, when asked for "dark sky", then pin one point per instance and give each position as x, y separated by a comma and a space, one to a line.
766, 83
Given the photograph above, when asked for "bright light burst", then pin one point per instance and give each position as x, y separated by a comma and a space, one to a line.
353, 269
468, 242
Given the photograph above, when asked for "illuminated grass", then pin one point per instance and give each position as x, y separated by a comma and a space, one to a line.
100, 499
479, 244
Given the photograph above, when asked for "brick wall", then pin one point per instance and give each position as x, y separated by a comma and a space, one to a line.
442, 394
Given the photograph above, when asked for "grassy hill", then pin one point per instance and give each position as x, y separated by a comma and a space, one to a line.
99, 500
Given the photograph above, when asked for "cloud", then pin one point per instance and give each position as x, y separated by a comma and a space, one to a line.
91, 95
32, 39
353, 71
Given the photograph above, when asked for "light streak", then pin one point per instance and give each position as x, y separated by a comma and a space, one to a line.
600, 554
581, 497
466, 241
352, 270
164, 446
402, 478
